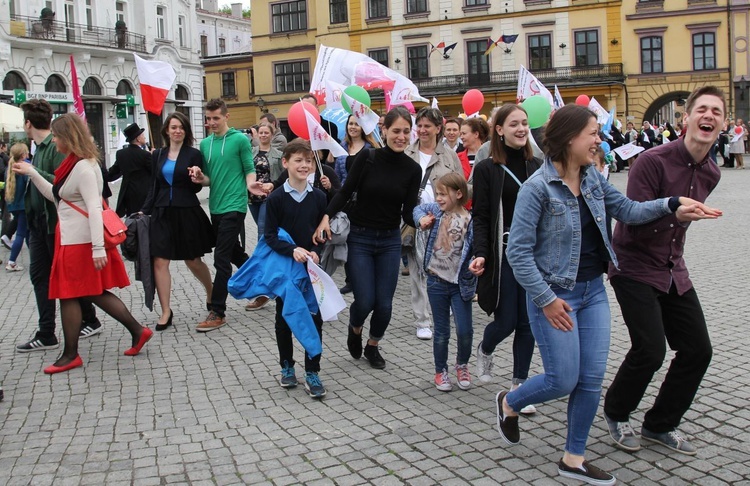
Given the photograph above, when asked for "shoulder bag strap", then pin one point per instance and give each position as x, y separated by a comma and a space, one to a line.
511, 174
104, 207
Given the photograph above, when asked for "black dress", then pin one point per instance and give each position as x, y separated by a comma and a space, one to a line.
179, 227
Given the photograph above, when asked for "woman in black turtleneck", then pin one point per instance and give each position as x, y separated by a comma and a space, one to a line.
387, 191
495, 192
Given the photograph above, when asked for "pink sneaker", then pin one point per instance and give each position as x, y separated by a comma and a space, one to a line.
443, 381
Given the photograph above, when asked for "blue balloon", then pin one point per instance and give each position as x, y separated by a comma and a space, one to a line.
605, 146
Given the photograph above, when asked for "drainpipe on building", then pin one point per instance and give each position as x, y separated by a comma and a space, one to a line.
731, 55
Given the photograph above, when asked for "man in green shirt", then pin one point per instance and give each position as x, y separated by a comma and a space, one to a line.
41, 216
229, 170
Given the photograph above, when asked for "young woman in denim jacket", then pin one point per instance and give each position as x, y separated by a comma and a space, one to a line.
558, 252
450, 284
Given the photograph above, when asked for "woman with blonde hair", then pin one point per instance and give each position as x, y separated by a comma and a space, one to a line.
82, 267
15, 190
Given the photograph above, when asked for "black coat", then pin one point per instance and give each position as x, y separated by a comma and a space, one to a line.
183, 190
133, 164
487, 214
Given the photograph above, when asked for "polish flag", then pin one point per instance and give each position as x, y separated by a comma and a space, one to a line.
156, 78
77, 100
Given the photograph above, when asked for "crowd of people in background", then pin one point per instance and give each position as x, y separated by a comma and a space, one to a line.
482, 212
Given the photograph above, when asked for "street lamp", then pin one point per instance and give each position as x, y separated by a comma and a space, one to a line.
262, 105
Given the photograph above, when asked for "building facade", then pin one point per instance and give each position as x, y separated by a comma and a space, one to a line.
35, 52
220, 33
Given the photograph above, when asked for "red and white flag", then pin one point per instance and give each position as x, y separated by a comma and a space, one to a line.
320, 139
366, 118
77, 100
156, 78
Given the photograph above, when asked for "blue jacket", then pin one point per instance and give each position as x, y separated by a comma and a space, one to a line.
544, 245
275, 275
467, 282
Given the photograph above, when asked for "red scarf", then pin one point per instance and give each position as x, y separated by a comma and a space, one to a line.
62, 173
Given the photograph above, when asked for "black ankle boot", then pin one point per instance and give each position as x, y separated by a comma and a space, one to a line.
372, 353
354, 343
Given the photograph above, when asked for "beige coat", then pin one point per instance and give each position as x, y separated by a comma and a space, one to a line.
443, 161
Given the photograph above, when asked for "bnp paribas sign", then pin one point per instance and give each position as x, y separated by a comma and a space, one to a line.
20, 95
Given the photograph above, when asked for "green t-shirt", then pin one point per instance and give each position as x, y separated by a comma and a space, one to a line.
227, 160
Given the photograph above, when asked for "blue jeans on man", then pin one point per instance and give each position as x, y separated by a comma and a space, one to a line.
574, 361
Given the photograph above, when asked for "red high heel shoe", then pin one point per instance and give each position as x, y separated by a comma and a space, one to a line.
52, 369
146, 335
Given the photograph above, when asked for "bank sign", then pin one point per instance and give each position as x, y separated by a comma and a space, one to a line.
20, 95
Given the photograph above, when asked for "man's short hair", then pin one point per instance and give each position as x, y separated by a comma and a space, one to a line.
705, 90
217, 104
311, 97
38, 112
270, 118
297, 146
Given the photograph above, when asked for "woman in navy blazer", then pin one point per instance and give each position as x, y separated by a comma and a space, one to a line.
179, 228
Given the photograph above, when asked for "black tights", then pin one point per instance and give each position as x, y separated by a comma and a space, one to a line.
70, 312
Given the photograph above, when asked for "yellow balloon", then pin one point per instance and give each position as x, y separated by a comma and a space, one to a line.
666, 133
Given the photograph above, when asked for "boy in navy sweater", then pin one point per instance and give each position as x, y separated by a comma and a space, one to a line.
297, 207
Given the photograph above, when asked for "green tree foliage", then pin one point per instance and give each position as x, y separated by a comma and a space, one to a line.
227, 9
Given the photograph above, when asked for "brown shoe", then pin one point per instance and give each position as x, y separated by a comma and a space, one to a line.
213, 321
257, 303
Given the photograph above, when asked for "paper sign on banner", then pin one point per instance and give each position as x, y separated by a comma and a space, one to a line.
628, 150
329, 298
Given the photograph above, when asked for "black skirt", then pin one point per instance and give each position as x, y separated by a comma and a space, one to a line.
180, 233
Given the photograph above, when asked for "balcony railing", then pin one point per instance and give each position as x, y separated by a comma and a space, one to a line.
508, 80
54, 30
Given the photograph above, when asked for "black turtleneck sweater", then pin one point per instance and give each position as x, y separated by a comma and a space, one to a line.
388, 192
516, 163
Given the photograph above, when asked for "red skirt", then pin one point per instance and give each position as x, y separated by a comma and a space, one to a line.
74, 275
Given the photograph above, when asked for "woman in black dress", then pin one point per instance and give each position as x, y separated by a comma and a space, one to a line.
179, 229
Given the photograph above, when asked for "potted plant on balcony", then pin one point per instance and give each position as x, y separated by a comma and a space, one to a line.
121, 33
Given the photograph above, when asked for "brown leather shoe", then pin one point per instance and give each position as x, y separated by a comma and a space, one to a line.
257, 303
213, 321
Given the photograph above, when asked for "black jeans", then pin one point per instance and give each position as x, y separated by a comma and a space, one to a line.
227, 229
284, 340
651, 316
41, 253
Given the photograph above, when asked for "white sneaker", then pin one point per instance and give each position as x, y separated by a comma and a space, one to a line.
528, 409
484, 365
7, 243
424, 333
13, 267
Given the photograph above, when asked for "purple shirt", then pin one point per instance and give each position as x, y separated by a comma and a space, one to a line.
653, 253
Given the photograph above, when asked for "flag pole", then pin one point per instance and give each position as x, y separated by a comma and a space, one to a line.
317, 160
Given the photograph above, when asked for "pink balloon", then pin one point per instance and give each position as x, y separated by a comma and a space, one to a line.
298, 121
737, 130
473, 101
583, 100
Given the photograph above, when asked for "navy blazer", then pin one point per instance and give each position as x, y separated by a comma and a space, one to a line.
134, 165
183, 190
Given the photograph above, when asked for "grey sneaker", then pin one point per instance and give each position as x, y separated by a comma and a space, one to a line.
623, 434
484, 365
671, 440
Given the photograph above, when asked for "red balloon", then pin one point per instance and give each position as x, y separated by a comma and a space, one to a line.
737, 130
298, 121
473, 101
583, 100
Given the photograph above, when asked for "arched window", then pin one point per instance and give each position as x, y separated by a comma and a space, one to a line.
181, 93
124, 88
55, 84
92, 87
13, 80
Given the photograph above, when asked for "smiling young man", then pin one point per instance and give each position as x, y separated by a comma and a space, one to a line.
653, 287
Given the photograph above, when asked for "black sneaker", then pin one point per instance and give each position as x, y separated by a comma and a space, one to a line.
354, 343
38, 344
586, 473
313, 386
90, 329
2, 394
372, 354
507, 426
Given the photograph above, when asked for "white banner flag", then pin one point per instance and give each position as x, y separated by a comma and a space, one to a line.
529, 86
366, 118
320, 139
404, 92
329, 298
559, 103
602, 115
334, 91
628, 150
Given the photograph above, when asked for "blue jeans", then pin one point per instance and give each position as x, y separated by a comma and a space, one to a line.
258, 212
22, 234
374, 258
574, 361
509, 316
444, 296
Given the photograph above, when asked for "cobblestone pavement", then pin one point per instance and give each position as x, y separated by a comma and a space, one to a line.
207, 408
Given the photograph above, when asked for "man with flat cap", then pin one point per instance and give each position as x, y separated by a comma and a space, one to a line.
133, 164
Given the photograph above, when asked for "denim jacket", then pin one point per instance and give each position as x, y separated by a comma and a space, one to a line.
467, 282
544, 245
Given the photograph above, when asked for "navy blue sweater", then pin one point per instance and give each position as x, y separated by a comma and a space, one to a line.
298, 219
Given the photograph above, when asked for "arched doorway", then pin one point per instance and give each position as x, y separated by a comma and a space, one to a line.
94, 112
13, 80
668, 107
181, 93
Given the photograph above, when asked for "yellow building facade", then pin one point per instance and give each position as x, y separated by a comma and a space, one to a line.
231, 78
670, 49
